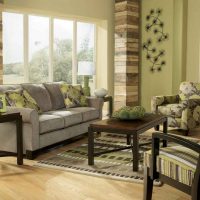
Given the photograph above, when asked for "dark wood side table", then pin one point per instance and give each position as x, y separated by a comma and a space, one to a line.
129, 128
109, 99
17, 118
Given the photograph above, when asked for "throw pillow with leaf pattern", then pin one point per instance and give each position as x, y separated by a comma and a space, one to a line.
30, 102
15, 98
73, 95
21, 99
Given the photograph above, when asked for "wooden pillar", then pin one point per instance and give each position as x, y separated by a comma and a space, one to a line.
1, 43
127, 33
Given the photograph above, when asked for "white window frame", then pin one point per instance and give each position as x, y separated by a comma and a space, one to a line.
51, 45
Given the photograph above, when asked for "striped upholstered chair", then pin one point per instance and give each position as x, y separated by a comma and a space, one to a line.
178, 166
183, 109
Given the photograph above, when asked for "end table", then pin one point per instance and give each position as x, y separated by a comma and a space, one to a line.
17, 118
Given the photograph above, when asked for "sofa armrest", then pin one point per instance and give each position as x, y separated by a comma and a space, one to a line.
162, 100
30, 120
97, 103
28, 115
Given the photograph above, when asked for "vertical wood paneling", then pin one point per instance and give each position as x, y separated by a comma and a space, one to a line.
126, 89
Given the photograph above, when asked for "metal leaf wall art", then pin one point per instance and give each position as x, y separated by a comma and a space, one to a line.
156, 25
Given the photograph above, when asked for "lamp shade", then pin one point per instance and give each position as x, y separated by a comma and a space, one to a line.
86, 68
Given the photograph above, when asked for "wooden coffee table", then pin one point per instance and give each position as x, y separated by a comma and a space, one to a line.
130, 128
17, 118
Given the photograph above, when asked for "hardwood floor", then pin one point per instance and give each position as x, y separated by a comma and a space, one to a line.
29, 182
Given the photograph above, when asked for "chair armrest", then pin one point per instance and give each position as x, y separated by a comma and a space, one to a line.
161, 100
28, 115
191, 114
97, 103
156, 136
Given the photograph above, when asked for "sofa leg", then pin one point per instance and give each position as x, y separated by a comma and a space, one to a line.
187, 132
156, 128
30, 155
148, 185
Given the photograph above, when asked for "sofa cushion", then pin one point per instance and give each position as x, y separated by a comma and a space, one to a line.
172, 109
55, 95
70, 117
88, 113
49, 123
40, 94
73, 95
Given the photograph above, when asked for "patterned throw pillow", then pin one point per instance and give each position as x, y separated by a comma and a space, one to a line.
21, 99
15, 98
73, 95
30, 102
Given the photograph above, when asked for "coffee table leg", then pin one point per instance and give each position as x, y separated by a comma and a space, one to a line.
90, 147
165, 125
19, 141
135, 152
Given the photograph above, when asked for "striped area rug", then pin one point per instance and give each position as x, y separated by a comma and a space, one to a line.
115, 165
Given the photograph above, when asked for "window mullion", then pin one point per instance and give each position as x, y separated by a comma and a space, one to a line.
51, 46
26, 49
74, 54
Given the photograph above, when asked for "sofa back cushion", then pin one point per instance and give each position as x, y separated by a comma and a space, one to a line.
40, 94
189, 90
55, 95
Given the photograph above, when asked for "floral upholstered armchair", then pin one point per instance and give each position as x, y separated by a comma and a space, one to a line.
183, 109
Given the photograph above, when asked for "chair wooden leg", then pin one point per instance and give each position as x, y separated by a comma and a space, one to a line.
195, 192
156, 128
148, 185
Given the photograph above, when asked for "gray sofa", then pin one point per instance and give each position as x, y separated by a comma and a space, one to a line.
55, 124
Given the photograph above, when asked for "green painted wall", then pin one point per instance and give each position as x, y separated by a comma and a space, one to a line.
193, 42
157, 83
167, 81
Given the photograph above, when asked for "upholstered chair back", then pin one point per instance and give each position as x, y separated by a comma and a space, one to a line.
189, 90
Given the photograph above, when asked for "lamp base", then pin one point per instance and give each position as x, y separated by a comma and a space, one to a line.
86, 91
86, 88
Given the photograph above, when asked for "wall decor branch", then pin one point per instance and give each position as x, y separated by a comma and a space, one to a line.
153, 55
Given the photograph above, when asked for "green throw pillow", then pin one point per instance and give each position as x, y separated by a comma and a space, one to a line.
30, 102
15, 98
21, 99
73, 95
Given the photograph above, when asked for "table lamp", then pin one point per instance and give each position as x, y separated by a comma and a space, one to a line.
86, 69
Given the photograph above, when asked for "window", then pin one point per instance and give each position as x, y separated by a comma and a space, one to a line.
85, 46
13, 48
38, 67
45, 49
62, 60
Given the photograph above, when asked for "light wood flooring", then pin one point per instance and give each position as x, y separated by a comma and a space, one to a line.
29, 182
